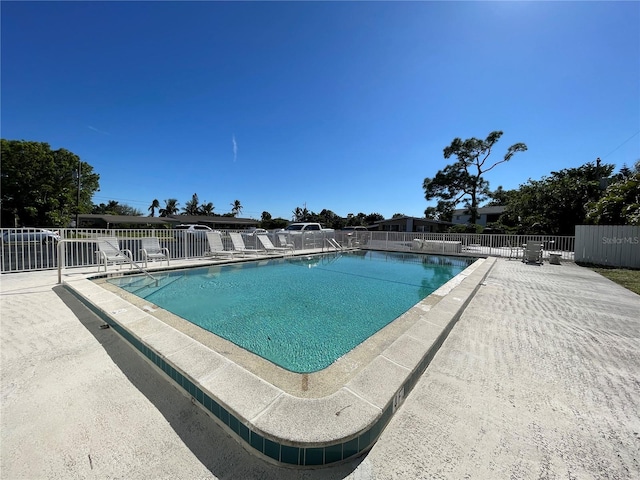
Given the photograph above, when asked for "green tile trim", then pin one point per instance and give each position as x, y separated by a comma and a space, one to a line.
285, 454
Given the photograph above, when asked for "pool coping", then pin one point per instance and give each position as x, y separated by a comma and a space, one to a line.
268, 421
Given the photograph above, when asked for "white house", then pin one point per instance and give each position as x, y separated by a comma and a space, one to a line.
485, 215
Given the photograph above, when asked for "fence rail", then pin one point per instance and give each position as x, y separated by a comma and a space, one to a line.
32, 249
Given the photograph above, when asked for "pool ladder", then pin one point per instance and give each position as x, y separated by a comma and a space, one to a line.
332, 243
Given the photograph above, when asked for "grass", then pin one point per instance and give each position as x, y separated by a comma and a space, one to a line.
629, 279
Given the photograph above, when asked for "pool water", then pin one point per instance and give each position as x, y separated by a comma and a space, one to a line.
301, 313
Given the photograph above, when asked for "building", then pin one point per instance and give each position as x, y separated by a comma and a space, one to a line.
411, 224
485, 215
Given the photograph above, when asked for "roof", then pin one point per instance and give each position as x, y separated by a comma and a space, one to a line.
131, 219
171, 220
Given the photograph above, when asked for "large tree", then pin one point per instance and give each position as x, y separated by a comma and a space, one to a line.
155, 205
170, 207
462, 180
115, 208
192, 207
236, 208
556, 204
620, 202
40, 185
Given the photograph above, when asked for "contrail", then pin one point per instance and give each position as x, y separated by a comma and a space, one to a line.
96, 130
235, 147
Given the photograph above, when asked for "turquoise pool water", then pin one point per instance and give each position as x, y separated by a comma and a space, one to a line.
301, 313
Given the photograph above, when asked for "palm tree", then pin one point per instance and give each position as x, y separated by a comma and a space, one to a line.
170, 207
236, 207
191, 208
206, 208
152, 208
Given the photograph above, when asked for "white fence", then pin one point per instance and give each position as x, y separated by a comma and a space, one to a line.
608, 245
28, 249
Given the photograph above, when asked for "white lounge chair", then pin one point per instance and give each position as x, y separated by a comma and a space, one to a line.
532, 252
151, 250
109, 252
216, 247
270, 247
282, 238
239, 246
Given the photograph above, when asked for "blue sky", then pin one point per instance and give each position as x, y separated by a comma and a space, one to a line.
344, 106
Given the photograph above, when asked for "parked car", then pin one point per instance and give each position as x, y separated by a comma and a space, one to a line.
24, 235
255, 231
191, 231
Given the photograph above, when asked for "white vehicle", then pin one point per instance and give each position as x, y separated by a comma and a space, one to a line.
256, 231
191, 231
303, 227
25, 235
306, 235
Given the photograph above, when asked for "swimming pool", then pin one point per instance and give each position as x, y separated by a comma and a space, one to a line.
301, 313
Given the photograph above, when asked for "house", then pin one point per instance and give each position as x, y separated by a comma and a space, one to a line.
411, 224
485, 215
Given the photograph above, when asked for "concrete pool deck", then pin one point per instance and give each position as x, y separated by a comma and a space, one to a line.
539, 377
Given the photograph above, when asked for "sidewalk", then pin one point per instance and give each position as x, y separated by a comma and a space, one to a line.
540, 378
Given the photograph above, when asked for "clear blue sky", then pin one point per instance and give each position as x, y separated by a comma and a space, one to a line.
339, 105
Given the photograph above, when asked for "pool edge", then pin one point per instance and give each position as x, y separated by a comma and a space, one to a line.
354, 417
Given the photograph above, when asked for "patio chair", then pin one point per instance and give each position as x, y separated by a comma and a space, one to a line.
514, 250
239, 246
151, 250
270, 247
282, 238
109, 252
532, 252
216, 247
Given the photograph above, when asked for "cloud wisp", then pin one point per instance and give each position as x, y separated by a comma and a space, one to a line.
98, 131
235, 147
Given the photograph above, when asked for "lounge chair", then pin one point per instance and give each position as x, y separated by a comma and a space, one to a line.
109, 252
216, 247
282, 238
151, 250
239, 246
270, 247
532, 252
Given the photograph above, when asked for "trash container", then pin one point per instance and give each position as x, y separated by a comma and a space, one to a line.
554, 258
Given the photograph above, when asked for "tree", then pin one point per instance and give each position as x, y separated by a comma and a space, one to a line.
236, 208
373, 218
40, 186
620, 202
114, 208
301, 214
170, 207
152, 208
462, 181
442, 212
192, 206
206, 208
556, 204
